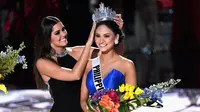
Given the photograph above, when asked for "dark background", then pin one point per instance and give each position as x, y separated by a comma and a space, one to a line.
169, 30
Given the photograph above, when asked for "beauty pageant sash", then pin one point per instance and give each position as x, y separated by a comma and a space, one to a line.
97, 77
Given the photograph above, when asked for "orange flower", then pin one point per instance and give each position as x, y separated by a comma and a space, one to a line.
106, 97
107, 103
103, 103
117, 105
115, 110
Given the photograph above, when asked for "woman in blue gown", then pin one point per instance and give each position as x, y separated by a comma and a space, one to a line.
109, 70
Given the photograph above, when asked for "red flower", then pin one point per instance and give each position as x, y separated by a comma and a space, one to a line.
114, 96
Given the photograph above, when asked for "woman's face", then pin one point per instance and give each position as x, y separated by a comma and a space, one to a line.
104, 38
59, 35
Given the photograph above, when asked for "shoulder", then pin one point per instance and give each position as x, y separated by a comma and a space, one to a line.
127, 62
43, 61
43, 65
128, 66
89, 64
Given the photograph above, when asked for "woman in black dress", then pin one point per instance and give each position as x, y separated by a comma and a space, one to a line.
61, 67
56, 65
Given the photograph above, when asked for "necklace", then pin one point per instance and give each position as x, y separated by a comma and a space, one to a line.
52, 53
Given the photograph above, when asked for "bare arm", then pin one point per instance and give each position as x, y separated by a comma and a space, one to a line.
84, 90
50, 69
79, 49
130, 74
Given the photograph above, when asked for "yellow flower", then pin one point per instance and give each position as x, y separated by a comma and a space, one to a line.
131, 95
3, 88
131, 88
122, 88
138, 91
127, 87
126, 96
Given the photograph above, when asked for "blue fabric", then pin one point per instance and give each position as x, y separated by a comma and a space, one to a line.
111, 81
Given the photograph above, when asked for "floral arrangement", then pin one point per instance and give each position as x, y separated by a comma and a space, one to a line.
8, 60
127, 98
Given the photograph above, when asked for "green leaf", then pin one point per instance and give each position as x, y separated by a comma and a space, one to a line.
122, 98
121, 108
9, 61
102, 109
124, 107
90, 105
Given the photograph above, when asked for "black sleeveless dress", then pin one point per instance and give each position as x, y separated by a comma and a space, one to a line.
66, 94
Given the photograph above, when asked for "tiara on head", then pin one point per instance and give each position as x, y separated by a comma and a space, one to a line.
103, 13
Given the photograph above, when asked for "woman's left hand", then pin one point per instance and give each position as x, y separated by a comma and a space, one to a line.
91, 36
97, 109
118, 19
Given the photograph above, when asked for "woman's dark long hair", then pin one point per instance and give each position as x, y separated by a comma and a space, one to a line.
42, 46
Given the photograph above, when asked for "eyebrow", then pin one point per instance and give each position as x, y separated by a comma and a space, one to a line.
63, 27
56, 31
107, 33
104, 33
59, 29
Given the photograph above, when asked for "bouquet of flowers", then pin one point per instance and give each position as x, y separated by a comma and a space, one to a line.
127, 98
8, 60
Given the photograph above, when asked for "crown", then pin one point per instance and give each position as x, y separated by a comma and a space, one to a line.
103, 13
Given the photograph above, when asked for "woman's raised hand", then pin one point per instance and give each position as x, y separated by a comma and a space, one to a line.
118, 19
91, 36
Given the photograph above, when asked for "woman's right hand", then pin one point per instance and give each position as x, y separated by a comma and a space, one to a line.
91, 36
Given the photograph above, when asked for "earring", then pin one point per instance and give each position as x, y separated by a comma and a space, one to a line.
116, 42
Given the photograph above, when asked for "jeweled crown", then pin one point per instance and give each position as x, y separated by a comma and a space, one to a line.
103, 13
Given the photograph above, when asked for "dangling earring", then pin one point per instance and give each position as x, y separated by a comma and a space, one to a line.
116, 41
